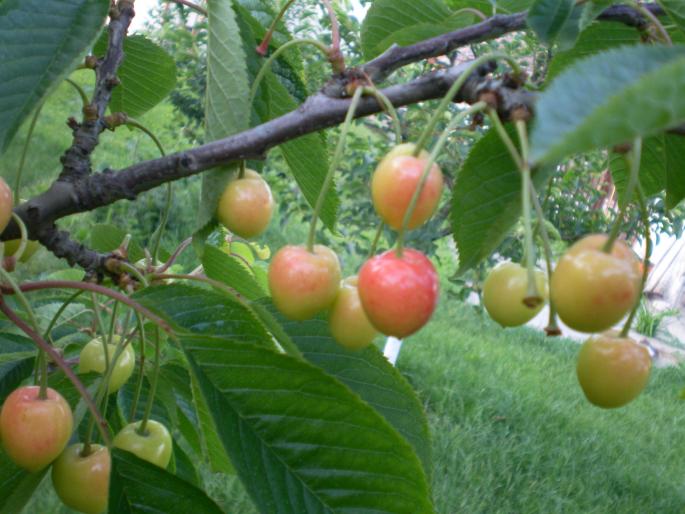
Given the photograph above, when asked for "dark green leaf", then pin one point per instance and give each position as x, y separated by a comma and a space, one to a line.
226, 269
610, 98
591, 10
106, 238
16, 485
147, 74
486, 199
184, 467
136, 486
227, 108
321, 447
652, 168
40, 42
17, 355
369, 374
548, 17
675, 171
675, 10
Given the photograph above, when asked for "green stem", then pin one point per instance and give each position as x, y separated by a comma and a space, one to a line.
645, 262
142, 428
241, 172
533, 297
80, 91
389, 108
261, 49
328, 181
477, 107
655, 21
141, 374
376, 239
633, 180
469, 10
24, 152
454, 89
24, 236
59, 312
267, 64
504, 136
159, 231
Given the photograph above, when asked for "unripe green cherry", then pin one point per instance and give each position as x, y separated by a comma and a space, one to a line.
154, 446
82, 483
504, 290
92, 358
246, 205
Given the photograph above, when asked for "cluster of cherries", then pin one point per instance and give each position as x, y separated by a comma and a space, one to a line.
36, 427
395, 292
592, 289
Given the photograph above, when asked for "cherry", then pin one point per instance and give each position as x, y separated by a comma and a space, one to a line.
304, 283
347, 320
591, 289
82, 482
35, 431
612, 370
246, 205
92, 358
394, 182
504, 290
154, 446
6, 204
398, 292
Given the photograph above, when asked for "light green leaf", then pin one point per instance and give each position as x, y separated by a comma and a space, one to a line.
547, 18
321, 447
147, 74
409, 20
228, 87
595, 39
40, 42
369, 374
486, 199
675, 10
230, 271
16, 485
652, 168
591, 10
610, 98
136, 486
107, 238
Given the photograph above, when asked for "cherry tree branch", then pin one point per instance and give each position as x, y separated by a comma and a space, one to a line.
77, 190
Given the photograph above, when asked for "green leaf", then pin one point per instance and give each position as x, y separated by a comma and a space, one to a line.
300, 440
227, 111
675, 10
548, 17
675, 171
486, 199
369, 374
16, 485
17, 355
107, 238
591, 10
147, 74
136, 486
652, 168
228, 270
41, 41
203, 311
610, 98
408, 20
597, 38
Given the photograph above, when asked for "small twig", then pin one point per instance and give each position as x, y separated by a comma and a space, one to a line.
190, 5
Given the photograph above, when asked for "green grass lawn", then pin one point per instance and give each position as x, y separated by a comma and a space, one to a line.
512, 432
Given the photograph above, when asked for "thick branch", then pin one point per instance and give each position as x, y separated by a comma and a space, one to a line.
76, 160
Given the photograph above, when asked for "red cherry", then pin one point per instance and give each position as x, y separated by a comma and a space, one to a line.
304, 283
398, 293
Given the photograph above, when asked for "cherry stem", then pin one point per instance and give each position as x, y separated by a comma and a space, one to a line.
533, 297
159, 231
469, 10
376, 239
241, 170
328, 180
184, 244
24, 152
24, 236
655, 21
267, 64
389, 108
141, 374
50, 351
60, 311
142, 428
264, 45
634, 160
84, 97
645, 261
87, 286
454, 89
477, 107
